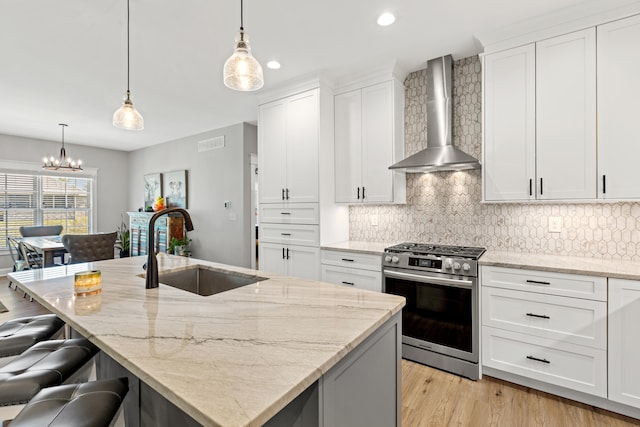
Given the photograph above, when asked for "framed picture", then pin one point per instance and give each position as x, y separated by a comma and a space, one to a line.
152, 188
175, 189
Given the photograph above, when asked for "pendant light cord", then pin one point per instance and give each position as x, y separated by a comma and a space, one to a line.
241, 17
128, 60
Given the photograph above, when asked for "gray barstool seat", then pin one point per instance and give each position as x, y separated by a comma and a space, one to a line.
18, 335
92, 404
46, 364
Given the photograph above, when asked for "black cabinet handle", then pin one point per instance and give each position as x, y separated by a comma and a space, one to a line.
358, 193
540, 316
530, 187
538, 359
287, 253
541, 186
282, 253
285, 234
349, 283
285, 213
283, 194
287, 194
347, 259
537, 282
604, 184
362, 193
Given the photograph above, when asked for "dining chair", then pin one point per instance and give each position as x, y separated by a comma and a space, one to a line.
16, 256
40, 230
31, 256
89, 247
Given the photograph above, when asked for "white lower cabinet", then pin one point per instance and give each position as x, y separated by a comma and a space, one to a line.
290, 260
545, 326
363, 271
624, 341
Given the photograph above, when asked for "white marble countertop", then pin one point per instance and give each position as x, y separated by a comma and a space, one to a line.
374, 248
620, 269
231, 359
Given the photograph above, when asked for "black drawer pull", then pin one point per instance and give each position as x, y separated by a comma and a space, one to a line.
285, 234
540, 316
348, 283
285, 213
347, 260
538, 360
537, 282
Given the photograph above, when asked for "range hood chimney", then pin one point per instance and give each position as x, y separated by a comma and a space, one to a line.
440, 154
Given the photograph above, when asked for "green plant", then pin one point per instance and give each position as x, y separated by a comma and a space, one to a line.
123, 240
173, 243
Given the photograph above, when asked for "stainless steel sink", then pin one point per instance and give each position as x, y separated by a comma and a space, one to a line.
205, 281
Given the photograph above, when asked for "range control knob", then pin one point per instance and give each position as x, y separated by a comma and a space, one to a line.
447, 264
395, 259
387, 258
456, 266
466, 267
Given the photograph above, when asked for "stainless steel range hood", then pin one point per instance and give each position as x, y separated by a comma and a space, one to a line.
440, 154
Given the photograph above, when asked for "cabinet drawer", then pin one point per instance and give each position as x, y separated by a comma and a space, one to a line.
573, 320
361, 279
569, 285
352, 259
290, 234
292, 213
567, 365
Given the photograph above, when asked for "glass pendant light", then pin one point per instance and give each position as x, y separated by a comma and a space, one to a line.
242, 71
62, 163
126, 117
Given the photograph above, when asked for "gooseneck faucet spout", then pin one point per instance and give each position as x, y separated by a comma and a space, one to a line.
152, 261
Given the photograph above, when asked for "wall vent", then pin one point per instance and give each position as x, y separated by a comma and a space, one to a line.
211, 144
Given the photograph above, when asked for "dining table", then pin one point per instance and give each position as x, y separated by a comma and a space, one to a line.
50, 247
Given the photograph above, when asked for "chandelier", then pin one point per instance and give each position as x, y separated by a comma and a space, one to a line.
62, 163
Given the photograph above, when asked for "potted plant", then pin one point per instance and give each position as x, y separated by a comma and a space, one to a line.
179, 246
123, 240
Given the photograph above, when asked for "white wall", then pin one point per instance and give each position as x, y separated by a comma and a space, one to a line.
212, 177
113, 180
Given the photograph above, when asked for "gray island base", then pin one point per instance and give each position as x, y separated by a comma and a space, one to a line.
279, 352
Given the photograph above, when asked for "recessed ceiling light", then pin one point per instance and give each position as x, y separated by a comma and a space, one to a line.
386, 19
274, 65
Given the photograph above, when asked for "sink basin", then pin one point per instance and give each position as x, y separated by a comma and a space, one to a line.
205, 281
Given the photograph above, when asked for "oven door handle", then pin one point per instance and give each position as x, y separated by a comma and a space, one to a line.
458, 283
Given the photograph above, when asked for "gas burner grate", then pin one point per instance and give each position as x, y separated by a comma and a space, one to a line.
438, 250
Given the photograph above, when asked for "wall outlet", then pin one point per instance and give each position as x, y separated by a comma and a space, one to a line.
555, 224
374, 220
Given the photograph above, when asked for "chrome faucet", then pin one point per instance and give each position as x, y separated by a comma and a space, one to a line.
152, 262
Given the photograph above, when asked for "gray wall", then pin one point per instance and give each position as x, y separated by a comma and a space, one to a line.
112, 165
212, 177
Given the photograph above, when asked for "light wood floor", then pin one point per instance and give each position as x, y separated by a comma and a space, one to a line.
437, 399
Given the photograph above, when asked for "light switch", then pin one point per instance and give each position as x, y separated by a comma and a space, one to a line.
555, 224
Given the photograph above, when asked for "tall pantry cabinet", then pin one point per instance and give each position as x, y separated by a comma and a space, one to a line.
297, 210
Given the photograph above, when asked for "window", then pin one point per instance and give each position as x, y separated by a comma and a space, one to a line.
29, 199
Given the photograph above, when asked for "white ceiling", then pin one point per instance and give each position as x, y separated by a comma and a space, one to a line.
65, 61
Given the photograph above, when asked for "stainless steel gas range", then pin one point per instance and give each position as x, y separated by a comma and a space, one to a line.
440, 324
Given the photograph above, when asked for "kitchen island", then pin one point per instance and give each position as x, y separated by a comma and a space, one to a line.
282, 351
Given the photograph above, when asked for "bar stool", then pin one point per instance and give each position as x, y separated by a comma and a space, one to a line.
18, 335
93, 404
46, 364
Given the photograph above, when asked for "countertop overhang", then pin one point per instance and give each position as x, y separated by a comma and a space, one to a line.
231, 359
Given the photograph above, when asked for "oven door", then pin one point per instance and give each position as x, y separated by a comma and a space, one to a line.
441, 313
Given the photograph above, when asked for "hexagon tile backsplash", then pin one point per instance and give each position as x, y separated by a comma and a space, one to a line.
445, 207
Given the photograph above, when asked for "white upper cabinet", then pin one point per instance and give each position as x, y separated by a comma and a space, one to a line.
509, 124
618, 109
288, 149
369, 139
566, 116
540, 120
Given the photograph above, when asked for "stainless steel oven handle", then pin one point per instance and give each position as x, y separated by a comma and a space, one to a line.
459, 283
